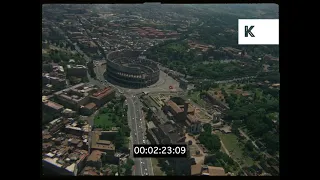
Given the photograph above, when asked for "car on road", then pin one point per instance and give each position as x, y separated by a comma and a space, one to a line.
135, 134
144, 141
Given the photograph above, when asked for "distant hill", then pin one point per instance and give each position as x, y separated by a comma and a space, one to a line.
242, 10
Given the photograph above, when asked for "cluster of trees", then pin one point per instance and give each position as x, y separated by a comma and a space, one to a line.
106, 164
175, 54
273, 92
177, 57
255, 113
81, 123
260, 51
273, 76
216, 35
220, 159
250, 150
209, 140
61, 43
122, 99
92, 55
203, 86
271, 162
221, 71
165, 166
128, 167
116, 116
91, 72
62, 57
214, 32
53, 35
149, 114
121, 141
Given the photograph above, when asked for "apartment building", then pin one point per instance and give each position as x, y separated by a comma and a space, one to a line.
102, 145
102, 97
205, 170
77, 70
52, 108
88, 109
94, 159
75, 96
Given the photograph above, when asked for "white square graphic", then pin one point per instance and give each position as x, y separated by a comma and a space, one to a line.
258, 31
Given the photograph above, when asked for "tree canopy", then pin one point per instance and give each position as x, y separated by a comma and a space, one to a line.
209, 140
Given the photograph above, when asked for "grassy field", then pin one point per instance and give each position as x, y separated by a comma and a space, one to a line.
222, 149
195, 97
156, 169
235, 148
104, 120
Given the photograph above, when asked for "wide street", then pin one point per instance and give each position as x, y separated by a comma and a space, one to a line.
136, 122
142, 166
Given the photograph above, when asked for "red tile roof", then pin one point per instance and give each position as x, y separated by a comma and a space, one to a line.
174, 106
103, 93
90, 105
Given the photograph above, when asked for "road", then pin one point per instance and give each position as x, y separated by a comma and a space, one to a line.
163, 68
143, 166
91, 80
99, 70
235, 79
230, 80
88, 59
225, 149
248, 138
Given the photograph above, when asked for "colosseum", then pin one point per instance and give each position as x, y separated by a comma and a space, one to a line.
128, 69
